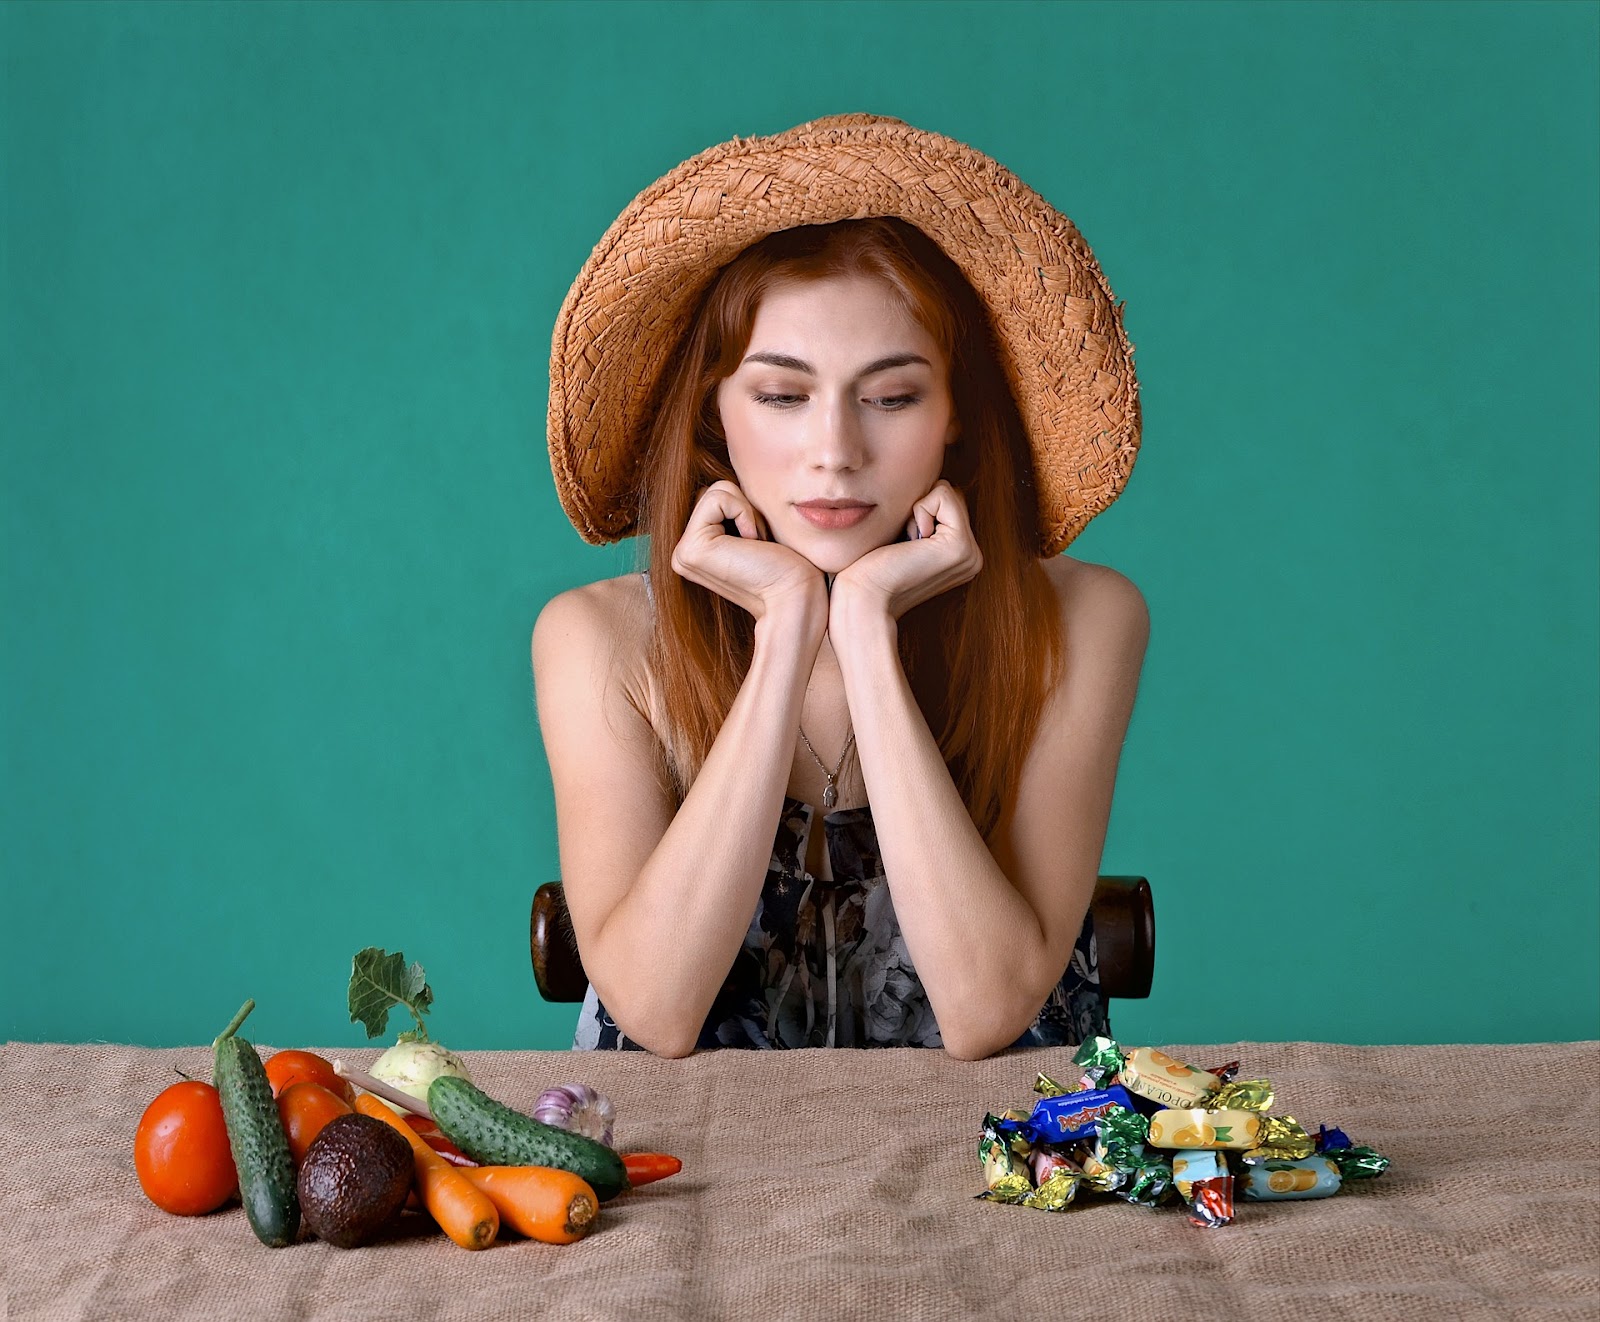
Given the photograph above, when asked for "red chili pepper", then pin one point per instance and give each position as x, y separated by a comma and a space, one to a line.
647, 1167
429, 1132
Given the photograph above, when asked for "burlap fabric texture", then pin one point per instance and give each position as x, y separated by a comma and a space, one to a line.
840, 1184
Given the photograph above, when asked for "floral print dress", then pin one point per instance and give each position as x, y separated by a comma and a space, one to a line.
824, 963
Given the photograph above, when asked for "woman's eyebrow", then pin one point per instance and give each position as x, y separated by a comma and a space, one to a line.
797, 365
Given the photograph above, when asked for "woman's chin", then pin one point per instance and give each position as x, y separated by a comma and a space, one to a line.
832, 554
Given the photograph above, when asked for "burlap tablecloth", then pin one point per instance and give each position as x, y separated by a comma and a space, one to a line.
839, 1184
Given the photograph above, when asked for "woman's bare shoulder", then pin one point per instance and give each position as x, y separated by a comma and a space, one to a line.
622, 599
1094, 596
615, 605
612, 617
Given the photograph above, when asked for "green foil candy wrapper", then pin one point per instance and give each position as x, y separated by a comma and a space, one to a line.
1148, 1183
1100, 1058
1121, 1166
1119, 1137
1357, 1163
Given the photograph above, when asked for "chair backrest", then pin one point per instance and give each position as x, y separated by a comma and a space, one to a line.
1124, 929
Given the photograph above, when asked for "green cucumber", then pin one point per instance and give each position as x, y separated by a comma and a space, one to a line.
255, 1137
495, 1135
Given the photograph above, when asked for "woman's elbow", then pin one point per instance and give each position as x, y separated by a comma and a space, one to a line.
668, 1041
970, 1049
671, 1051
979, 1041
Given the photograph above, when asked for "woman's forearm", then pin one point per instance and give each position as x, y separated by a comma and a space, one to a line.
970, 934
691, 905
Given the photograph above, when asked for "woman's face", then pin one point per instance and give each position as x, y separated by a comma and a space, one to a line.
841, 396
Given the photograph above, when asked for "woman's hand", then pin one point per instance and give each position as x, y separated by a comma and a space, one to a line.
941, 555
749, 570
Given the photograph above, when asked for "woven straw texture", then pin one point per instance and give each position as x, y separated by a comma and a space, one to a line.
1061, 336
840, 1185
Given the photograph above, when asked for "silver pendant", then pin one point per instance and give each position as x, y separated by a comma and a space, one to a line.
830, 796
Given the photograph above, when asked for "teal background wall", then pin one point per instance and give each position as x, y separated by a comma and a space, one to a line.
278, 286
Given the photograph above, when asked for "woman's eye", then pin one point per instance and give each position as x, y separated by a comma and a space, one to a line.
891, 403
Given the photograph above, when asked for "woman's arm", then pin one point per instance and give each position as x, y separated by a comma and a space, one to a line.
660, 914
991, 934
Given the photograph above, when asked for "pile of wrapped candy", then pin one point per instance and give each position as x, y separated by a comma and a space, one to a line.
1144, 1127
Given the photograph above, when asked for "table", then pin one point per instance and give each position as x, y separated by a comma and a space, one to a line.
840, 1184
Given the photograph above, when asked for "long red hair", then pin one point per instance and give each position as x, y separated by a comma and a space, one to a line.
981, 659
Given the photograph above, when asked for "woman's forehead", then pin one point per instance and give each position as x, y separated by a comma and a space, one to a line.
838, 323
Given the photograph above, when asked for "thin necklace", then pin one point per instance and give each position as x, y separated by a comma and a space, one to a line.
830, 796
831, 793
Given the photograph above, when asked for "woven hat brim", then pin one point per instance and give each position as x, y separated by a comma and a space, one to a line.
1060, 330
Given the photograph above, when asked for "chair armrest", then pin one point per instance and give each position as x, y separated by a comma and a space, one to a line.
1125, 936
557, 967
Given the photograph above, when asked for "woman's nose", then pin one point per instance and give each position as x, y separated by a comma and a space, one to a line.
835, 440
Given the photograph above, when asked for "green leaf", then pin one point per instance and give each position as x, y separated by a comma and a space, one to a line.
378, 981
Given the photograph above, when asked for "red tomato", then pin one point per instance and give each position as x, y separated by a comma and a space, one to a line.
304, 1108
181, 1153
289, 1067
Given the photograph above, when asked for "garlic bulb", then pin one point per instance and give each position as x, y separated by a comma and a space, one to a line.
578, 1108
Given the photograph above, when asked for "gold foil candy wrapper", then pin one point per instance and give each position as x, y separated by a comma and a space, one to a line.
1010, 1189
1194, 1128
1057, 1192
1281, 1139
1157, 1076
1045, 1086
1244, 1095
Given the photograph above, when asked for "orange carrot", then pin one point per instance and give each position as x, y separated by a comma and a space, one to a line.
463, 1211
552, 1206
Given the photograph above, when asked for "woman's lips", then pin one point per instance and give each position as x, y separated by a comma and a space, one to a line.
821, 517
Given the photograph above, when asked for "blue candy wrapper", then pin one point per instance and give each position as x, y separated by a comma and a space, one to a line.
1068, 1117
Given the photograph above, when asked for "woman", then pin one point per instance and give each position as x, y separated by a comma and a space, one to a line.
836, 769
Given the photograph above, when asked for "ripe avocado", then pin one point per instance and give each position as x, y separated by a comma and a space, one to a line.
354, 1180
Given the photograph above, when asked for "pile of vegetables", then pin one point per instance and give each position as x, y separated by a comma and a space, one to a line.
306, 1142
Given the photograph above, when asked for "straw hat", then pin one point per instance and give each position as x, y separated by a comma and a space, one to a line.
1060, 333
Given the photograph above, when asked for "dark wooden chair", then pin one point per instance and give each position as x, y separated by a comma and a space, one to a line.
1124, 926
